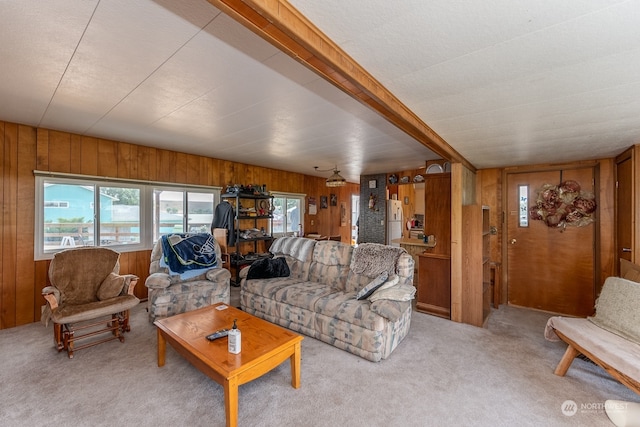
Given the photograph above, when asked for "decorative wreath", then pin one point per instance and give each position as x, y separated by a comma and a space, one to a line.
564, 204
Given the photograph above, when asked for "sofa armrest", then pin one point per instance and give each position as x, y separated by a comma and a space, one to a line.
158, 281
389, 309
52, 295
244, 271
218, 275
130, 282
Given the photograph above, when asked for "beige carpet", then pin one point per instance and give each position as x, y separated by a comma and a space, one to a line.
443, 374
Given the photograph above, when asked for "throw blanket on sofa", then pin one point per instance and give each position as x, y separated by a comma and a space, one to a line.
374, 259
184, 252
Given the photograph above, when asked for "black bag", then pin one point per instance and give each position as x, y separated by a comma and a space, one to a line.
266, 268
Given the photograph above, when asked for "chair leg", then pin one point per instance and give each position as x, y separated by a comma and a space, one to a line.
65, 334
68, 339
126, 327
57, 336
565, 362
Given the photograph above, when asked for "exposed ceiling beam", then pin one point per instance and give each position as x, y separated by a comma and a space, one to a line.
282, 25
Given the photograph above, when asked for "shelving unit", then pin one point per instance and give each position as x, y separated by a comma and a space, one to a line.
252, 210
476, 276
486, 264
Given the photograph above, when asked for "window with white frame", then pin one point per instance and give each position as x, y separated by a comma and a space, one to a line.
126, 215
288, 213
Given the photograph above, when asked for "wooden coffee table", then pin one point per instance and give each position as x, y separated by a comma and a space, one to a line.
264, 346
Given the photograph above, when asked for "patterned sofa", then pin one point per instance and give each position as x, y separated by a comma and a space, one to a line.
318, 298
170, 294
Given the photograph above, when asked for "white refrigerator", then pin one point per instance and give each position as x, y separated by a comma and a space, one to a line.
394, 221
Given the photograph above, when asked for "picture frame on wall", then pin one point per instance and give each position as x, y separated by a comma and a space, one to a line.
323, 202
333, 199
312, 206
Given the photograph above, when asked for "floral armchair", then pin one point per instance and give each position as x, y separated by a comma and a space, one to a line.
171, 294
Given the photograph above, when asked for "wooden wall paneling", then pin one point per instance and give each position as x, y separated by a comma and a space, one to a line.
181, 165
75, 153
205, 165
472, 286
193, 171
24, 148
9, 226
42, 155
457, 307
123, 156
142, 271
215, 173
25, 182
166, 165
108, 158
635, 200
59, 151
2, 156
89, 156
606, 260
40, 280
134, 165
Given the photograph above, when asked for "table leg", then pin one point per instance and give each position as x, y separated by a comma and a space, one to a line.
162, 346
294, 360
231, 401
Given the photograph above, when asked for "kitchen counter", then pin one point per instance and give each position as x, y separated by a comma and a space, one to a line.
405, 241
415, 248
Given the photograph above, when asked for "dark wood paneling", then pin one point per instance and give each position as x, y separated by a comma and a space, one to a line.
24, 148
9, 226
88, 157
25, 291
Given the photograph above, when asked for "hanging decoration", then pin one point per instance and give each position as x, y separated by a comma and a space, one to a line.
564, 204
373, 199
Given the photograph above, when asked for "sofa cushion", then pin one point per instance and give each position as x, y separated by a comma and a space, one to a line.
297, 251
342, 306
394, 293
303, 294
390, 310
617, 308
372, 286
111, 287
268, 288
330, 263
403, 269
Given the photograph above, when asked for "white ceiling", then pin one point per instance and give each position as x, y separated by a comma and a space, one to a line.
504, 82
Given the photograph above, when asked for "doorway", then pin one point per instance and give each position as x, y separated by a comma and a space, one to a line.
624, 210
355, 215
548, 268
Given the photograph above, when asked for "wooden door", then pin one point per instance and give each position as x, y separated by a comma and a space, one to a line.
624, 211
549, 269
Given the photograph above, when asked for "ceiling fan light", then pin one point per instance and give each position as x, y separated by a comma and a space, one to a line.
336, 180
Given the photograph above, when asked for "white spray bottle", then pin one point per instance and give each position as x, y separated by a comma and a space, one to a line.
235, 342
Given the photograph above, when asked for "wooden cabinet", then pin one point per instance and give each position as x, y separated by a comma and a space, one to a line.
434, 269
434, 285
487, 288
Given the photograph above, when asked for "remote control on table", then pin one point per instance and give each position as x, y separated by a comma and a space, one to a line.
218, 334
